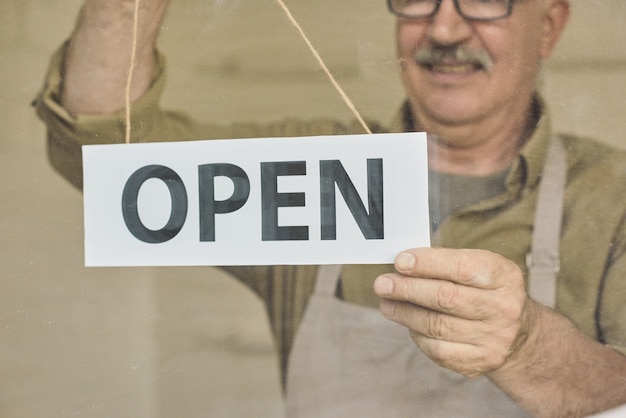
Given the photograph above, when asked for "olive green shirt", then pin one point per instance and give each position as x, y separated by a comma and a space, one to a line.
591, 287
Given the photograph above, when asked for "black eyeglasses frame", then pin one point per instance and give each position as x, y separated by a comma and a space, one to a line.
457, 6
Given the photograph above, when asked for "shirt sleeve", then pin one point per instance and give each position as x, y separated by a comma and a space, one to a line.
612, 309
66, 132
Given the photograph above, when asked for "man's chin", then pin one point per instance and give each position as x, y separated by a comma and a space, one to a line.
450, 113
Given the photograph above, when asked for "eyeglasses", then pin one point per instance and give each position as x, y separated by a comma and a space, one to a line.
482, 10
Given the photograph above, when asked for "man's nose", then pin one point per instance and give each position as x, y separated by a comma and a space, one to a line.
447, 27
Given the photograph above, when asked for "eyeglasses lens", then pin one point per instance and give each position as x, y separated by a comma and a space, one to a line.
469, 9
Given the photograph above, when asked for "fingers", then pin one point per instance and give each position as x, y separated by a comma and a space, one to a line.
476, 268
440, 326
470, 284
438, 295
468, 347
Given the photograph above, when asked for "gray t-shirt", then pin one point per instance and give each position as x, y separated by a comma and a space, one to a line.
450, 193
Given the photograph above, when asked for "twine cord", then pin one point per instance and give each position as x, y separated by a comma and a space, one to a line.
293, 21
317, 56
131, 68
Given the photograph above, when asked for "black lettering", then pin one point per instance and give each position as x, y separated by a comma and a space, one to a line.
370, 222
271, 200
178, 195
209, 207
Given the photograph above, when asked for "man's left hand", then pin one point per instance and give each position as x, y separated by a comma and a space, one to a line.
465, 309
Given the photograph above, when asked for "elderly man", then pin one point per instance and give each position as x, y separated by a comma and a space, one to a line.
499, 179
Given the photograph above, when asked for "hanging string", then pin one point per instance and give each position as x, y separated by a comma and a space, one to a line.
317, 56
293, 21
131, 69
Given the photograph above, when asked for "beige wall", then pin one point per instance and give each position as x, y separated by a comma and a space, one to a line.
585, 82
245, 60
186, 342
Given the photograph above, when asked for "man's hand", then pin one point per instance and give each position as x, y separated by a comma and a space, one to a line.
98, 56
468, 311
465, 309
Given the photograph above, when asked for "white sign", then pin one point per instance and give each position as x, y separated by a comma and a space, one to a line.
355, 199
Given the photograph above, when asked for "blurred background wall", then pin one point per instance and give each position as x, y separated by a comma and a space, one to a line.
148, 342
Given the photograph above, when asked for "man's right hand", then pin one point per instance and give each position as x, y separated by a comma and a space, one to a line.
99, 53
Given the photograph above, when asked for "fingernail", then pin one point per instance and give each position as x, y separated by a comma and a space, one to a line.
387, 308
405, 261
383, 286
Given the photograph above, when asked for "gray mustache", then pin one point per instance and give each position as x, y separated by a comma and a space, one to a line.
436, 56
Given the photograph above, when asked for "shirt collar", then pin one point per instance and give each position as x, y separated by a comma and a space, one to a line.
534, 152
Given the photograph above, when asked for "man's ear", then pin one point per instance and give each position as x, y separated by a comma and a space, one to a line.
555, 19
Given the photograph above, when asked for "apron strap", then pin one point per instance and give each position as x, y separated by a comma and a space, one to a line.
326, 279
543, 261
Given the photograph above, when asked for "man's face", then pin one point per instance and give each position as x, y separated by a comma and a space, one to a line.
457, 90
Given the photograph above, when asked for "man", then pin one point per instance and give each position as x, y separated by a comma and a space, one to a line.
469, 68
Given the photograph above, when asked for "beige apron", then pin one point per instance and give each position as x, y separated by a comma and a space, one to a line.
349, 361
